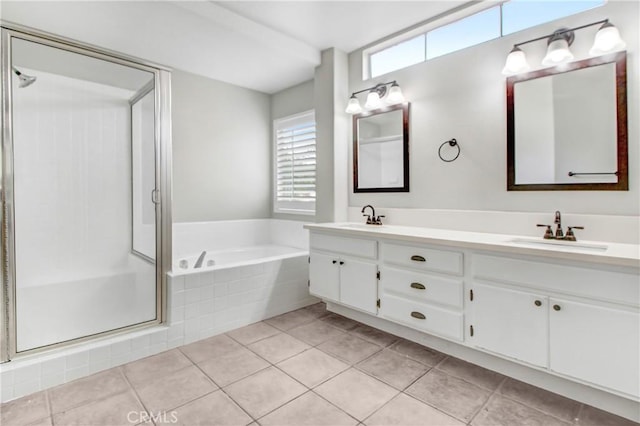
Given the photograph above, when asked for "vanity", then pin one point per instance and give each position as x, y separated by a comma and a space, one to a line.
568, 312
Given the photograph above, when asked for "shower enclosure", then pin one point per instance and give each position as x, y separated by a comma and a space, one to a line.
86, 223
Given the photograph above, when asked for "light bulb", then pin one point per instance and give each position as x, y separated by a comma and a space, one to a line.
395, 95
353, 107
516, 62
557, 52
607, 40
373, 100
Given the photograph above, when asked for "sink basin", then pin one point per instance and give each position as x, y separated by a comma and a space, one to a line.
560, 244
362, 226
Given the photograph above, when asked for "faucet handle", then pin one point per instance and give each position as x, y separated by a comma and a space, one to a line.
378, 220
548, 233
369, 221
570, 236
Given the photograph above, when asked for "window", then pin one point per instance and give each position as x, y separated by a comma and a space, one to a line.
466, 28
295, 164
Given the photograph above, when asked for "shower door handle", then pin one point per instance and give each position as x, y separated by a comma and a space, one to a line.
155, 196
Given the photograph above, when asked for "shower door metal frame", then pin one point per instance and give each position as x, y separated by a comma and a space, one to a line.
162, 81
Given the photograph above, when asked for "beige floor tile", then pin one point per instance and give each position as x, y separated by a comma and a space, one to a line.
253, 333
406, 411
454, 396
501, 411
349, 348
591, 416
47, 421
356, 393
292, 319
213, 409
374, 335
210, 348
232, 367
309, 409
551, 403
87, 389
471, 373
120, 409
278, 348
27, 409
315, 333
417, 352
155, 366
264, 391
175, 389
393, 368
340, 322
318, 309
312, 367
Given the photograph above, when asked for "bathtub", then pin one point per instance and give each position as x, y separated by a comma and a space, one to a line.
252, 270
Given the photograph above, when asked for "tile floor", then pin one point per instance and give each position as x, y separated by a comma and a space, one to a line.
306, 367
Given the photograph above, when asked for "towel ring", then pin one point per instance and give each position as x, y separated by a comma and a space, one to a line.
452, 142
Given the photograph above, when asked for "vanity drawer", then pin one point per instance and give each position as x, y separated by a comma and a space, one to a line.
422, 287
448, 262
345, 245
422, 317
600, 284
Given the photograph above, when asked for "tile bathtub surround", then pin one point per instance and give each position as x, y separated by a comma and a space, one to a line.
289, 375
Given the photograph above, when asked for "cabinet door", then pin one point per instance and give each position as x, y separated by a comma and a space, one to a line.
359, 285
324, 276
597, 344
511, 323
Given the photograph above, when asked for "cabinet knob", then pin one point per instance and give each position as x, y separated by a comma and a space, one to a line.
418, 286
556, 307
538, 303
334, 261
418, 315
341, 262
418, 258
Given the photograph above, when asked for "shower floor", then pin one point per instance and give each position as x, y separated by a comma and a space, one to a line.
305, 367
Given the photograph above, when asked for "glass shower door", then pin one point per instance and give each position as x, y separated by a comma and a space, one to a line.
84, 220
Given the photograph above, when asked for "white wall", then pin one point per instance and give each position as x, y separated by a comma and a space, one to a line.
72, 179
221, 150
462, 95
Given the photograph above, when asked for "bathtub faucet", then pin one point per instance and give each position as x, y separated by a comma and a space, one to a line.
200, 260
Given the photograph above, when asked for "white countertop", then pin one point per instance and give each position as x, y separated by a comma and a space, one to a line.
584, 251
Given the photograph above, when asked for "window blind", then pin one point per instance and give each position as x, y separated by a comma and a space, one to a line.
295, 163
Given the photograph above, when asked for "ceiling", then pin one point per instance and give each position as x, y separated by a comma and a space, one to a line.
262, 45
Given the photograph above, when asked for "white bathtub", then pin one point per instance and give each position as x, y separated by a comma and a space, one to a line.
252, 270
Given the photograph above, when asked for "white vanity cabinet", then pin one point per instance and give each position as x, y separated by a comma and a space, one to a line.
577, 321
421, 287
339, 271
573, 316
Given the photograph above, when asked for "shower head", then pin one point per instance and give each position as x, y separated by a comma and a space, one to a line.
25, 80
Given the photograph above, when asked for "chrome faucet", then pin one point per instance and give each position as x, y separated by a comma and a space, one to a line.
198, 263
372, 219
559, 235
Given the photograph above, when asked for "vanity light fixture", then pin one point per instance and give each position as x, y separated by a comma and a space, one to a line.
375, 95
607, 40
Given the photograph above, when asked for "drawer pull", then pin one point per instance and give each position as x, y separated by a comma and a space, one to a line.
334, 261
418, 286
418, 315
418, 258
538, 303
556, 307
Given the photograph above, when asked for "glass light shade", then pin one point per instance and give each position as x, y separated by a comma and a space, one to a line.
353, 107
607, 40
557, 53
516, 62
395, 95
373, 100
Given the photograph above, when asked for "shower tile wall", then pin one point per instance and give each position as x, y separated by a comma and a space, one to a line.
69, 134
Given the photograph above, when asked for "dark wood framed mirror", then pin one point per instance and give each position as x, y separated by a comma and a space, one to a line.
567, 127
381, 150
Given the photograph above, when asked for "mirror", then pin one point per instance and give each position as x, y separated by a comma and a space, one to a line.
567, 127
381, 150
